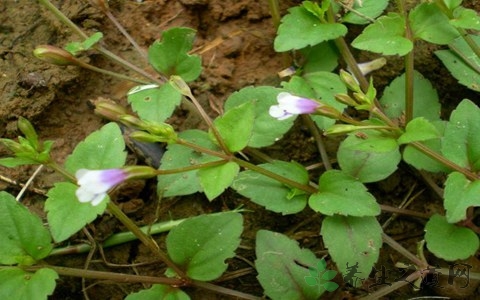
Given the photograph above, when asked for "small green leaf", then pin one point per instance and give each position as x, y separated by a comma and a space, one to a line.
370, 157
11, 162
418, 129
266, 129
425, 98
300, 28
329, 275
369, 8
452, 4
270, 193
385, 36
178, 156
102, 149
236, 126
170, 55
430, 24
466, 72
466, 18
460, 194
330, 286
461, 143
22, 235
422, 161
282, 268
62, 204
215, 180
159, 291
76, 47
154, 103
339, 193
18, 284
353, 241
449, 241
200, 245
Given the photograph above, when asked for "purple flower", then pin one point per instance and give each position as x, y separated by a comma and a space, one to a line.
94, 184
290, 105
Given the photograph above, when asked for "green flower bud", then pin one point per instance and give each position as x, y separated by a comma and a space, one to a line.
349, 81
12, 145
27, 129
162, 130
109, 110
54, 55
345, 99
132, 121
340, 129
143, 136
180, 85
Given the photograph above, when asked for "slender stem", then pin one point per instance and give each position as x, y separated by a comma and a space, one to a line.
319, 139
274, 12
118, 277
99, 47
403, 211
144, 238
110, 73
409, 68
118, 238
400, 249
224, 291
465, 59
250, 166
191, 168
436, 156
394, 286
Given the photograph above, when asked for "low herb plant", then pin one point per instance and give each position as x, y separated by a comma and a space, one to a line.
403, 124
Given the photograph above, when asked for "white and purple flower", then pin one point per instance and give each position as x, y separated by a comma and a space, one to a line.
94, 184
290, 105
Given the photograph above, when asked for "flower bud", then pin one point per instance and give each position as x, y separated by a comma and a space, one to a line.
163, 131
27, 129
54, 55
349, 81
132, 121
340, 129
143, 136
12, 145
180, 85
109, 109
345, 99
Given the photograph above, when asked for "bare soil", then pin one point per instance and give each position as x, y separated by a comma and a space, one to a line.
235, 41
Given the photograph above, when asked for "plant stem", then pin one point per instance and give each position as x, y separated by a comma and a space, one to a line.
436, 156
118, 238
319, 140
110, 73
409, 67
144, 238
306, 188
118, 277
400, 249
274, 12
64, 19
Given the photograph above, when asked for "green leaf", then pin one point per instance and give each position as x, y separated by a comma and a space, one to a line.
236, 126
200, 245
425, 98
283, 268
353, 241
449, 241
300, 28
268, 192
339, 193
170, 55
461, 143
76, 47
430, 24
159, 291
369, 8
460, 194
18, 284
422, 161
102, 149
62, 204
178, 156
22, 235
11, 162
321, 57
418, 129
385, 36
452, 4
466, 18
266, 129
154, 103
370, 157
465, 65
215, 180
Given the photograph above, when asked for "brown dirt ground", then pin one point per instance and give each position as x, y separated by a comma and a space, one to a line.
56, 100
